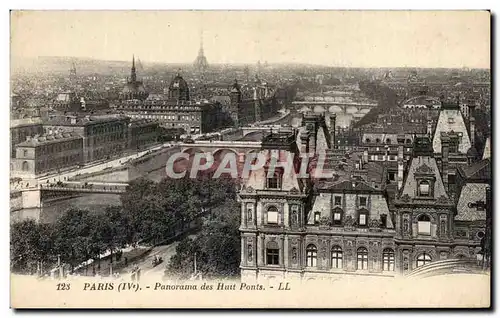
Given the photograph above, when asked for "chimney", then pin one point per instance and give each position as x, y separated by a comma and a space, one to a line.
445, 149
400, 166
333, 119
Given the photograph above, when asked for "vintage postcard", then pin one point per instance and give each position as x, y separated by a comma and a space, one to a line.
250, 159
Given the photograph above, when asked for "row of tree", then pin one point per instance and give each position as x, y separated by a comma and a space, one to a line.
150, 213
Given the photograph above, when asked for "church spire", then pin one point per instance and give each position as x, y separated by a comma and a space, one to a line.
133, 75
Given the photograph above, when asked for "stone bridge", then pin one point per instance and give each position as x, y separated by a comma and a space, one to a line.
216, 148
332, 107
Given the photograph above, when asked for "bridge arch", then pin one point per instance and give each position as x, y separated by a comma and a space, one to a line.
335, 109
319, 109
351, 110
253, 136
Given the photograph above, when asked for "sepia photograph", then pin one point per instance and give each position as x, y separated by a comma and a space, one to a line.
250, 159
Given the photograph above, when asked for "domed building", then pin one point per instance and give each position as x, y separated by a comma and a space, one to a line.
178, 89
134, 89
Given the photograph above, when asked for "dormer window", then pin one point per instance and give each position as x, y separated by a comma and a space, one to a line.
338, 200
362, 217
274, 181
362, 201
337, 216
317, 216
424, 188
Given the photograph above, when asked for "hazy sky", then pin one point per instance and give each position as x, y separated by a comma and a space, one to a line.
338, 38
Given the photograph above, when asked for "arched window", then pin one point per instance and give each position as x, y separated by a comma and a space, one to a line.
424, 225
377, 140
362, 257
388, 259
272, 215
424, 188
311, 255
337, 216
25, 166
336, 257
368, 140
388, 140
423, 259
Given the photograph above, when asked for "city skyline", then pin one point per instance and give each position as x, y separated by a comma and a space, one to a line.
423, 39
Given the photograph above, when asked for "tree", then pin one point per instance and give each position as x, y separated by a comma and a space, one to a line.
30, 242
217, 247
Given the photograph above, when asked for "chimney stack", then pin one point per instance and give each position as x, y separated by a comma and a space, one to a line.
445, 150
333, 120
400, 166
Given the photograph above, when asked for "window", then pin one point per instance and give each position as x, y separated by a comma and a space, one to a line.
338, 200
25, 166
337, 216
388, 140
362, 257
383, 220
362, 217
392, 176
272, 215
368, 140
377, 140
362, 201
25, 153
336, 257
424, 225
388, 260
423, 259
317, 215
311, 255
272, 254
274, 182
451, 120
424, 188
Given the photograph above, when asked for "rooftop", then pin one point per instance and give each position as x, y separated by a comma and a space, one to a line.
48, 138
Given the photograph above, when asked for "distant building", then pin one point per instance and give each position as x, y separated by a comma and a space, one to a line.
259, 105
20, 129
134, 89
177, 110
100, 137
49, 152
103, 136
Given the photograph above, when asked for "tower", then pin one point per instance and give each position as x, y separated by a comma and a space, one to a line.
133, 75
235, 96
201, 63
